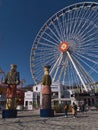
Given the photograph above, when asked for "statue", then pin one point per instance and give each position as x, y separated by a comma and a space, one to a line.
46, 91
46, 110
12, 80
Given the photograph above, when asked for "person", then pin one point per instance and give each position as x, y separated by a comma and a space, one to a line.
82, 107
74, 109
66, 109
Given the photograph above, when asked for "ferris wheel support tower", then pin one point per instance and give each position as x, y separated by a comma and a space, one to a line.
77, 72
64, 49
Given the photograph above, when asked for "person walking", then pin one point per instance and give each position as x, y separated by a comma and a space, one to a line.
66, 109
74, 110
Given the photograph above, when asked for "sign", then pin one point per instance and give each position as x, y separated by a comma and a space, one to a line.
29, 95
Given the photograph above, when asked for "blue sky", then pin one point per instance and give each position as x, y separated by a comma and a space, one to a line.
20, 21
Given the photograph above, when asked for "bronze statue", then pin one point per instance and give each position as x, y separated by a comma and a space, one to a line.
12, 80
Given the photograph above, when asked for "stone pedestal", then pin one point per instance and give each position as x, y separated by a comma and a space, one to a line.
9, 113
46, 113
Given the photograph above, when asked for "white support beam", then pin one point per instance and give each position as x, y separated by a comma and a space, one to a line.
77, 71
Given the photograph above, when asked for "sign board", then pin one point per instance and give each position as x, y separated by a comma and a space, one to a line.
29, 95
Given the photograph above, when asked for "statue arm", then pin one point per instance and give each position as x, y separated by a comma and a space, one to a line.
5, 79
17, 78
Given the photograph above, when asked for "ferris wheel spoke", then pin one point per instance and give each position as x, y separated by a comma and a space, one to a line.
88, 59
76, 16
92, 55
56, 34
51, 37
91, 43
88, 50
46, 45
55, 74
41, 56
71, 76
84, 28
60, 26
63, 23
87, 46
61, 73
88, 33
56, 63
86, 77
87, 15
64, 26
71, 22
80, 22
90, 38
47, 49
95, 15
92, 69
47, 40
68, 24
63, 67
49, 58
39, 72
85, 63
57, 30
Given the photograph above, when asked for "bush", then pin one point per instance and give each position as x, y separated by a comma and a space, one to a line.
59, 108
96, 105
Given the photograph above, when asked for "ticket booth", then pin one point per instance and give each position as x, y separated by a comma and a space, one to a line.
28, 100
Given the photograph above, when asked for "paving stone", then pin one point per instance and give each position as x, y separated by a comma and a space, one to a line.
31, 120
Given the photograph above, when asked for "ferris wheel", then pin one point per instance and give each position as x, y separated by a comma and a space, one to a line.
68, 42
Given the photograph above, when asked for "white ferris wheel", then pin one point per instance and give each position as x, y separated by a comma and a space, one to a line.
68, 42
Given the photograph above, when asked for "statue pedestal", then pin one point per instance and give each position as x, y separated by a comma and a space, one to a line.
46, 113
9, 113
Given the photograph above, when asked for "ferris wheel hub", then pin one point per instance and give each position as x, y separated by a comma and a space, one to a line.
63, 47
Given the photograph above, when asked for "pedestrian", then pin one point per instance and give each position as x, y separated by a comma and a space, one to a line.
74, 110
66, 109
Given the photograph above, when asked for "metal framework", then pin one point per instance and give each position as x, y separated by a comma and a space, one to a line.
68, 41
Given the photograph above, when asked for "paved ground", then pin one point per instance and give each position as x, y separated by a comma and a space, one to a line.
30, 120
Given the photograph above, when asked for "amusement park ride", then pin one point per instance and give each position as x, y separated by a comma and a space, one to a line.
68, 42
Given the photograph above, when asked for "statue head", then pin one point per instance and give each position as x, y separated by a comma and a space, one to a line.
46, 69
13, 67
